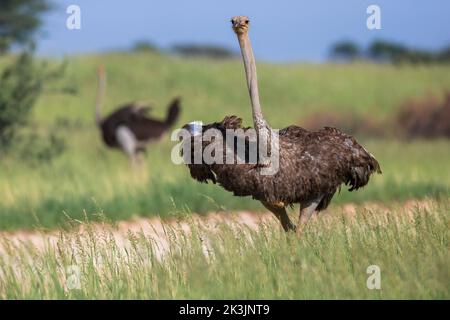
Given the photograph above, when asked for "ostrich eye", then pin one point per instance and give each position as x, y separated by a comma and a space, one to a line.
247, 21
232, 21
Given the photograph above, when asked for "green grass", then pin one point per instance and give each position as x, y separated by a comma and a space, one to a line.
212, 89
89, 178
329, 261
102, 181
89, 181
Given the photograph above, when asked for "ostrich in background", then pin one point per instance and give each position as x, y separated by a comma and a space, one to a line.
312, 165
129, 127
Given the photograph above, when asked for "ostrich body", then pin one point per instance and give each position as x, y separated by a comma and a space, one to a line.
129, 127
312, 165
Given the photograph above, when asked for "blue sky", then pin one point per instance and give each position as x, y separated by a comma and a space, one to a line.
281, 30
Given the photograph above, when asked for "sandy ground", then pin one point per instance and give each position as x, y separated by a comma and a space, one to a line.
160, 230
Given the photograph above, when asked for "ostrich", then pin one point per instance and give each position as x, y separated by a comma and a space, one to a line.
129, 128
312, 165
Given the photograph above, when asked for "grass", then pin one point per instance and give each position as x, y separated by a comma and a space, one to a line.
212, 89
89, 178
79, 185
329, 260
90, 183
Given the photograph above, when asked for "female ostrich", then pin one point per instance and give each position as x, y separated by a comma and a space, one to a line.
129, 127
312, 165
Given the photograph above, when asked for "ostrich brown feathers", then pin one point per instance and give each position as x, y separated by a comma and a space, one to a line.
312, 165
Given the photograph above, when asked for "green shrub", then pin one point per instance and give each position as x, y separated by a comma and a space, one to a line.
20, 87
21, 84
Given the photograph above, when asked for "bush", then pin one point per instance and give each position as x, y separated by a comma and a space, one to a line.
144, 46
21, 84
37, 148
20, 87
424, 118
349, 123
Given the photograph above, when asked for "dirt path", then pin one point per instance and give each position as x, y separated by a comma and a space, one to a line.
153, 228
159, 230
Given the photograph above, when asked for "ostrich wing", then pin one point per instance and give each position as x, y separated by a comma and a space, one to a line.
312, 165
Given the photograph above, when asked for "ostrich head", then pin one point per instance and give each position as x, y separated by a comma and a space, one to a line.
192, 150
240, 24
195, 128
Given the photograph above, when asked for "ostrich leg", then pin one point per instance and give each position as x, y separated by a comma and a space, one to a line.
282, 216
128, 143
307, 210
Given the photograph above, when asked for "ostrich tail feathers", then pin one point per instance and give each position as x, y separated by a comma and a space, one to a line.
359, 175
173, 111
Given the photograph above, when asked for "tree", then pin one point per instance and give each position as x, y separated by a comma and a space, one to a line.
397, 53
387, 51
345, 50
19, 21
144, 46
444, 55
381, 50
199, 50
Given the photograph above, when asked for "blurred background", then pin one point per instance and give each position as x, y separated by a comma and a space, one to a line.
318, 65
288, 31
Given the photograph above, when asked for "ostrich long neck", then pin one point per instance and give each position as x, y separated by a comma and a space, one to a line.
252, 82
99, 98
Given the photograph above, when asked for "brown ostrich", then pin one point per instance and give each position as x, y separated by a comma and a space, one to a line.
312, 165
129, 127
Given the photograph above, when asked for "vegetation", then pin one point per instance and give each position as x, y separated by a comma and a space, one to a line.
88, 182
208, 51
20, 89
329, 261
345, 50
88, 178
145, 46
385, 51
427, 117
19, 21
22, 81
